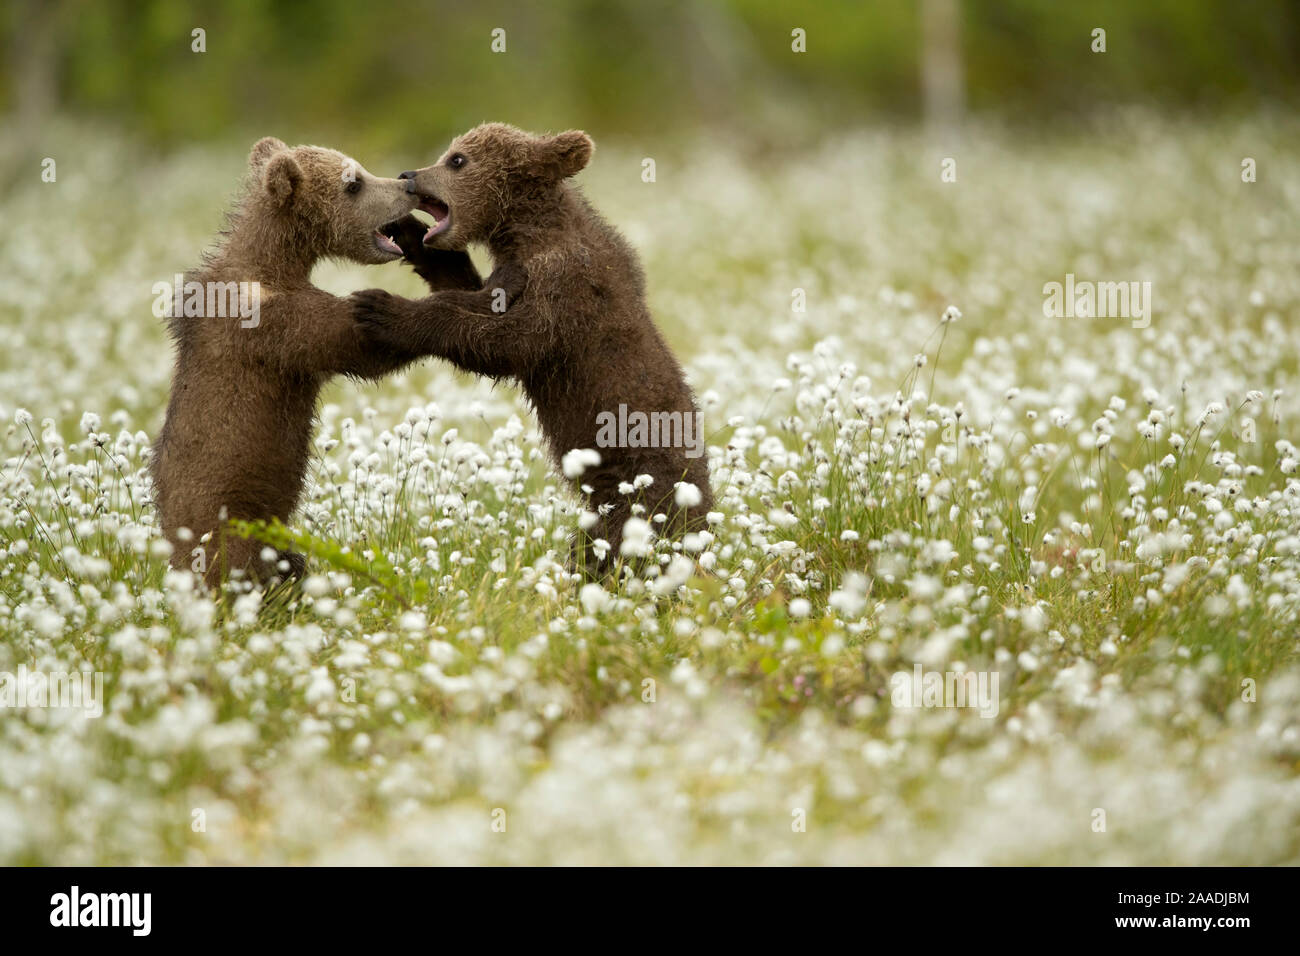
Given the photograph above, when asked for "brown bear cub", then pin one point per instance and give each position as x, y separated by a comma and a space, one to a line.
579, 340
237, 436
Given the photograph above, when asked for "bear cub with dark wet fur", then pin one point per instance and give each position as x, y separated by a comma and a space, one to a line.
237, 435
580, 339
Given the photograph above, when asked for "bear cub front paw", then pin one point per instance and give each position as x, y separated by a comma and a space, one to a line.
452, 268
380, 317
408, 232
511, 278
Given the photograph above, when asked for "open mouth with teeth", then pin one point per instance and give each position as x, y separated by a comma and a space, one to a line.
384, 241
440, 212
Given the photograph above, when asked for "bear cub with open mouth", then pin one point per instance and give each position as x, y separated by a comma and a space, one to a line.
237, 436
579, 339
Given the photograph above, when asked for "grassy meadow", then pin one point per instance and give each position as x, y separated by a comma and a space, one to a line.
912, 465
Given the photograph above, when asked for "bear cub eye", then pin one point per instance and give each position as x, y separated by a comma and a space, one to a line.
457, 161
353, 187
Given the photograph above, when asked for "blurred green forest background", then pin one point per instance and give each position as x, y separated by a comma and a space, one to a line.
395, 75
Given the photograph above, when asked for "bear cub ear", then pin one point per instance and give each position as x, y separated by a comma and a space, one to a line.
566, 153
283, 174
263, 150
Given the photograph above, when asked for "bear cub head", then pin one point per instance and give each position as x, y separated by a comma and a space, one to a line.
327, 201
492, 175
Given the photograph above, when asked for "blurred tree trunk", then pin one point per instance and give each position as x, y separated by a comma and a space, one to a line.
33, 61
942, 77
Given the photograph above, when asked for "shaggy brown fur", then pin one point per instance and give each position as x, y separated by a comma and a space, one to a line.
580, 340
236, 440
